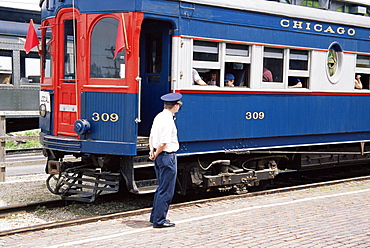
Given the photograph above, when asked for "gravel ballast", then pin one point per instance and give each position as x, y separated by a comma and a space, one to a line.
32, 188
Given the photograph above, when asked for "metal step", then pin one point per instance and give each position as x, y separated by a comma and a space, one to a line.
143, 165
91, 183
146, 186
147, 189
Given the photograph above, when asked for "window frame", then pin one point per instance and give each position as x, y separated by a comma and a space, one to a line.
223, 58
103, 82
7, 74
364, 71
299, 73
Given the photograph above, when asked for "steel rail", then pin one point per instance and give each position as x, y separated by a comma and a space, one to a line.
174, 206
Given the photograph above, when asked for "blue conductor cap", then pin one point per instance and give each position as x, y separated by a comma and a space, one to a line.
172, 98
229, 76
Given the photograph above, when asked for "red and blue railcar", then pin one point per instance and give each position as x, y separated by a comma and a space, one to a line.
97, 102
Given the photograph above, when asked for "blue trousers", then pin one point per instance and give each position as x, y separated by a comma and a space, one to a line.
165, 167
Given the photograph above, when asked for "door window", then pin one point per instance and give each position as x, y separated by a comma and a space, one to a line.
69, 49
46, 53
103, 43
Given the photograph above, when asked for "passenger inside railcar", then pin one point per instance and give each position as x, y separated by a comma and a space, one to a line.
273, 60
5, 79
229, 80
239, 71
267, 75
294, 82
358, 83
197, 78
365, 81
213, 79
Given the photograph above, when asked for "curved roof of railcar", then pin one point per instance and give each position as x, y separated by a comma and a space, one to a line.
269, 7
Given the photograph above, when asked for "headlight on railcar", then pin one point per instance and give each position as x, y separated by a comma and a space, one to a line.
42, 110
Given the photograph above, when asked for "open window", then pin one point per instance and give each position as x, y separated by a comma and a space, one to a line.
362, 72
206, 63
237, 63
6, 67
298, 74
216, 61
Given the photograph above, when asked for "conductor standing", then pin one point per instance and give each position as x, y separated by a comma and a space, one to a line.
164, 144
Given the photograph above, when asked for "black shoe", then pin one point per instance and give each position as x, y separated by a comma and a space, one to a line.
166, 221
166, 224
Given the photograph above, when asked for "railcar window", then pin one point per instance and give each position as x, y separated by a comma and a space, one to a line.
363, 71
237, 63
6, 67
69, 48
154, 49
240, 72
298, 60
273, 59
237, 50
46, 52
363, 61
30, 67
205, 51
298, 68
103, 42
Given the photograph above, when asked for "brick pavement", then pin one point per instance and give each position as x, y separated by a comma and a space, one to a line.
328, 216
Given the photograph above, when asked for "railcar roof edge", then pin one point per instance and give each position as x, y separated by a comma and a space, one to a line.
295, 11
268, 7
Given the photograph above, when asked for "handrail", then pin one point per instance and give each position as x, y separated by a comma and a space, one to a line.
138, 119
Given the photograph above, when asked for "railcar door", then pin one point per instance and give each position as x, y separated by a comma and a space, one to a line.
66, 91
155, 50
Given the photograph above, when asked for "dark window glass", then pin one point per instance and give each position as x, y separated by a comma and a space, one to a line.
103, 44
69, 49
46, 54
237, 50
298, 60
363, 61
273, 61
154, 52
205, 51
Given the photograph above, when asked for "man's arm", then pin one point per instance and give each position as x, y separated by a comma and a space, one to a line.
154, 154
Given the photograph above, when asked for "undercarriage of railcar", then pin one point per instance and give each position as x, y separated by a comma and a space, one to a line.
84, 177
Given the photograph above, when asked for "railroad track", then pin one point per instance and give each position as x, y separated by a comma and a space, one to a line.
5, 211
147, 210
23, 150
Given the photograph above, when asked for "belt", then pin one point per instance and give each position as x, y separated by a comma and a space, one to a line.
164, 152
168, 152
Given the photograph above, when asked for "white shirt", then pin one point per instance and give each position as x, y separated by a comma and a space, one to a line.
164, 131
196, 76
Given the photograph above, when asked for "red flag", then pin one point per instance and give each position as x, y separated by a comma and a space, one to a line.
120, 39
31, 39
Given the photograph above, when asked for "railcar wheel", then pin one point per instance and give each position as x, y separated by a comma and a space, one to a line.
54, 183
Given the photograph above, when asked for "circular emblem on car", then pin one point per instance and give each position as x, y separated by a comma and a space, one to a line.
334, 62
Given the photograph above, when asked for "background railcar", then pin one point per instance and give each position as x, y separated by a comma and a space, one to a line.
19, 72
98, 105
